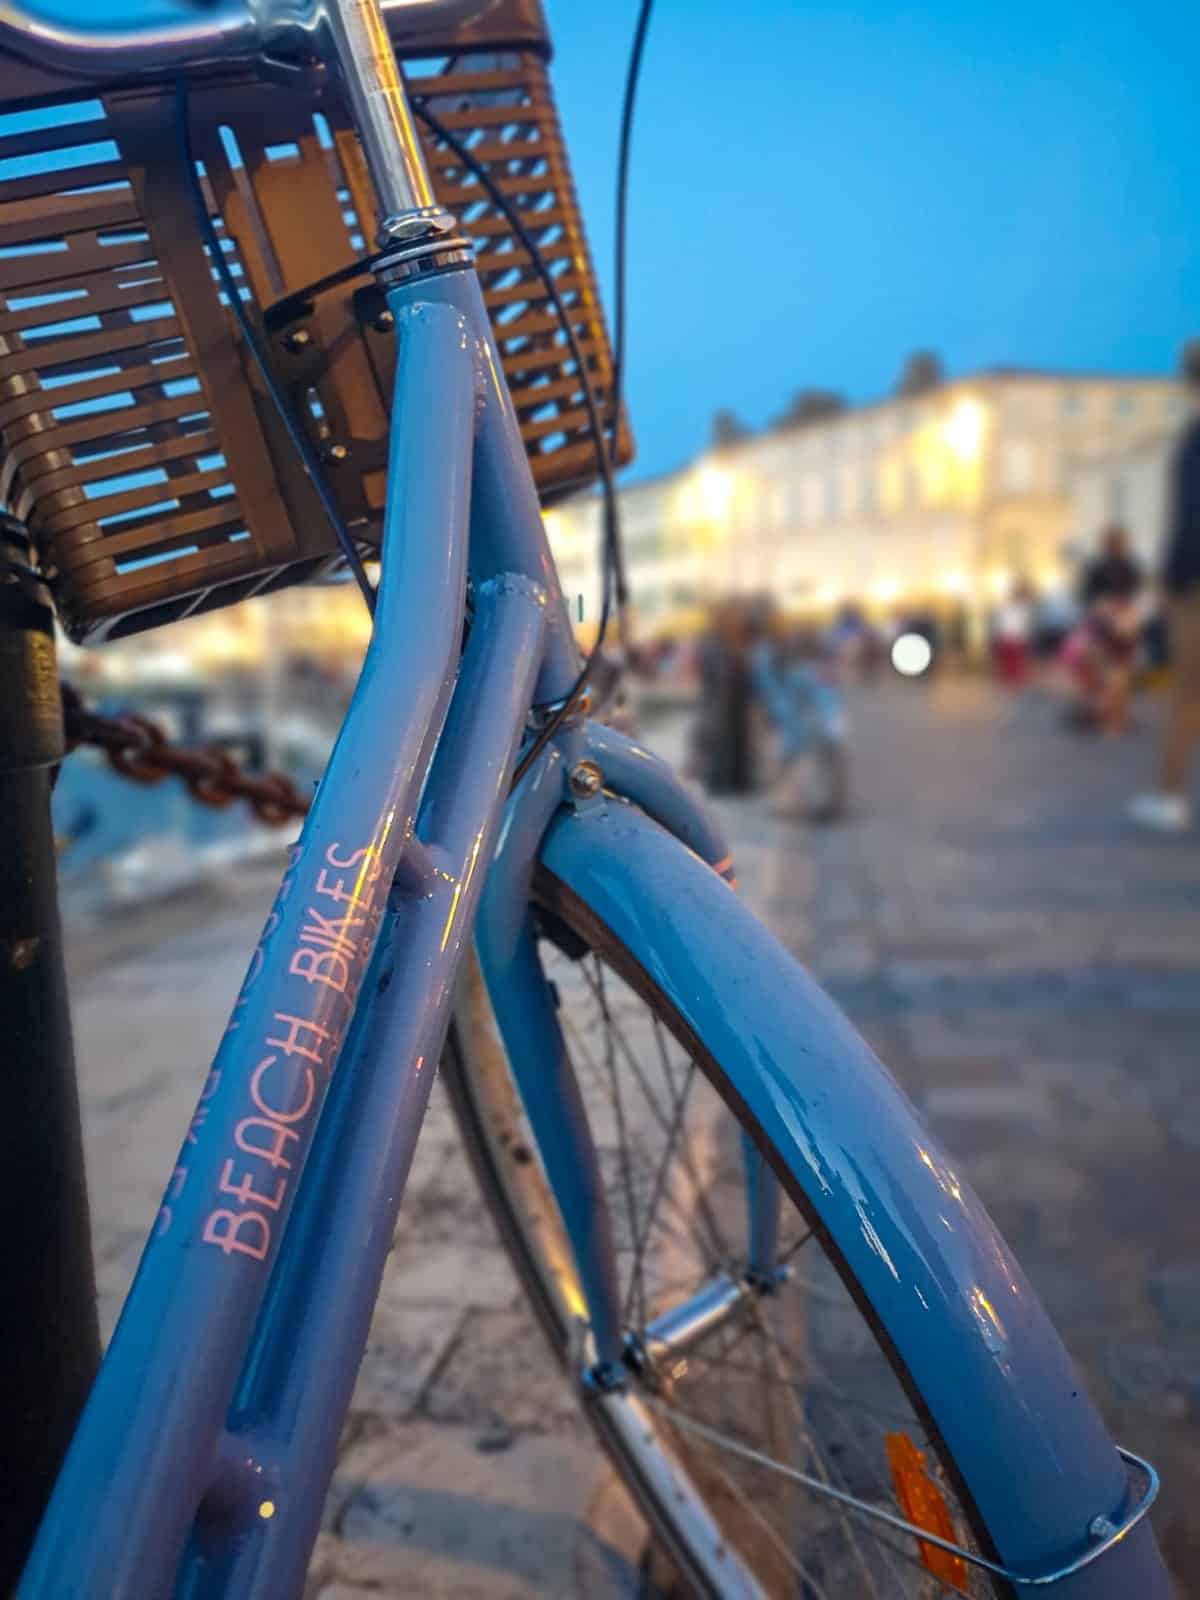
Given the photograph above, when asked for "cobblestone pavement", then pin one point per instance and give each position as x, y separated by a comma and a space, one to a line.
1029, 966
1024, 962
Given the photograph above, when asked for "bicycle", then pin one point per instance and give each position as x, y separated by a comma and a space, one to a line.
807, 769
792, 1325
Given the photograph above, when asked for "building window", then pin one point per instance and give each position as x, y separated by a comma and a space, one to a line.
1017, 466
646, 544
890, 487
1125, 405
1116, 497
1072, 403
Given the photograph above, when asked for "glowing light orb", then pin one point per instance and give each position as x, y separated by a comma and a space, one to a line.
911, 655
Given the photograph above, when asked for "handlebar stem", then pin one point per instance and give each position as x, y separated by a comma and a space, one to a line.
351, 38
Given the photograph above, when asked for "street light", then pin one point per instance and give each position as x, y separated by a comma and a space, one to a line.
716, 492
912, 654
964, 428
953, 583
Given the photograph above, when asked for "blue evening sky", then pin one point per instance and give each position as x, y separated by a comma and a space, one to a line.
820, 188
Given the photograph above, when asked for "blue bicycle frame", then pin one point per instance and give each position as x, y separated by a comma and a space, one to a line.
201, 1462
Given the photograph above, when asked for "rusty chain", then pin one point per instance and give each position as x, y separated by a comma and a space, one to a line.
139, 749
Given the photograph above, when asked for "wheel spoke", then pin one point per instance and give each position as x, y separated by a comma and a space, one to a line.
771, 1347
614, 1077
790, 1556
736, 1448
656, 1191
687, 1156
664, 1057
782, 1258
711, 1250
775, 1400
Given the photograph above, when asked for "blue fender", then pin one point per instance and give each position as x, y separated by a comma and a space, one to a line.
998, 1383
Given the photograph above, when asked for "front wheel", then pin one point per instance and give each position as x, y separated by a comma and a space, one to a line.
749, 1392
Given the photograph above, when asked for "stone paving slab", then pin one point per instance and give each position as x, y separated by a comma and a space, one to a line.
1029, 967
422, 1510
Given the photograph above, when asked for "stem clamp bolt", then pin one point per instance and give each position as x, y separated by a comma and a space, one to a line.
585, 780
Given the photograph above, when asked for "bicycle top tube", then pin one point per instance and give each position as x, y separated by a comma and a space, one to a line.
163, 37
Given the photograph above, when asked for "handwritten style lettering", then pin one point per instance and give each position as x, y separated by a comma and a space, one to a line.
329, 956
245, 1232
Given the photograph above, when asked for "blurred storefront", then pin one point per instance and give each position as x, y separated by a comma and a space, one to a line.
323, 627
936, 502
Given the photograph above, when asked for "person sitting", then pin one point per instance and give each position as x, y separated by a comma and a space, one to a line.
1112, 586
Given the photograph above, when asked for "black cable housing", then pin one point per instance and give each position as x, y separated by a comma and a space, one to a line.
296, 435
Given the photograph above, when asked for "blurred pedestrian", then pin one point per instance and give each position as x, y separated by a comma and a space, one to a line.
722, 748
853, 645
1055, 617
1110, 595
1012, 628
1168, 807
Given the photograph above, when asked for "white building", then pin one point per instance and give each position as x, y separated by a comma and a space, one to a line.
938, 500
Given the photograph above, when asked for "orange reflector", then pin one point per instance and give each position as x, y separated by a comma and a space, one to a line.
923, 1503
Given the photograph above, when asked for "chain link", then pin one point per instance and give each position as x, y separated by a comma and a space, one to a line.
139, 749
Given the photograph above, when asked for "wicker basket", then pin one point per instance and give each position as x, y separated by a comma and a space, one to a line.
138, 443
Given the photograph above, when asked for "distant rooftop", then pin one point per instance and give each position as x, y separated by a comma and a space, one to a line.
1064, 375
999, 371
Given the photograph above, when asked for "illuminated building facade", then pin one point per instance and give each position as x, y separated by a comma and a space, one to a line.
934, 501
